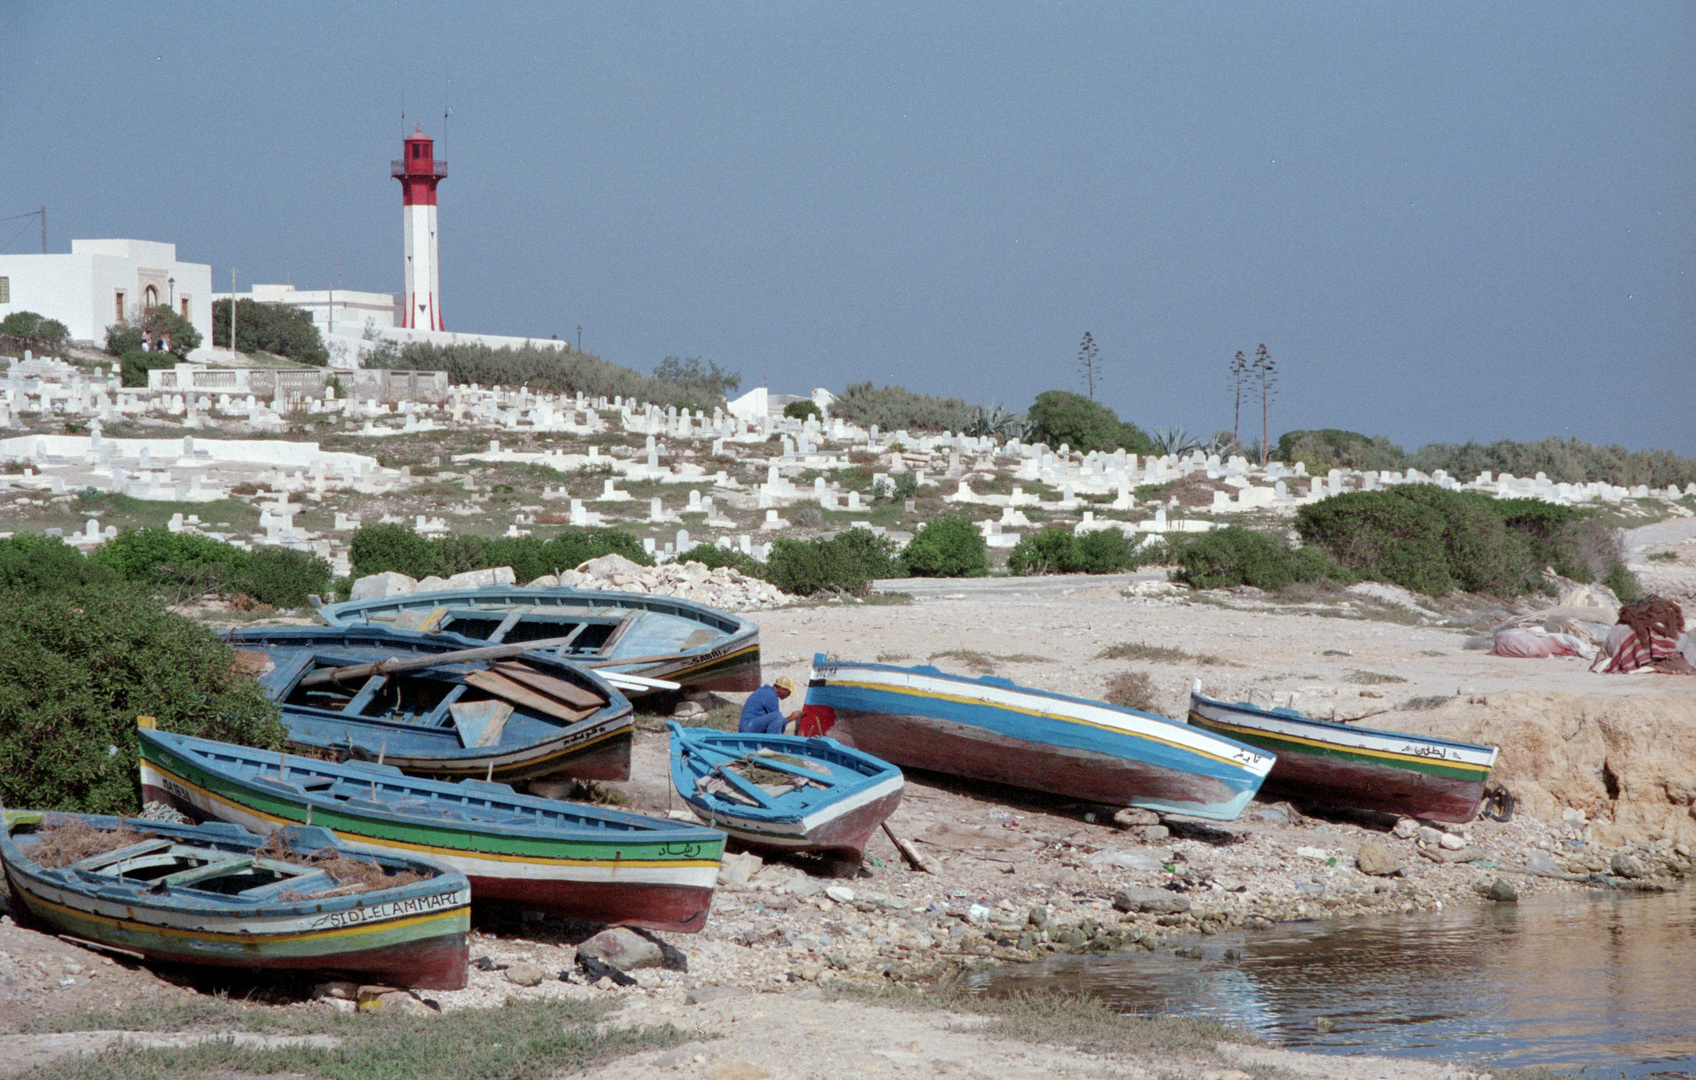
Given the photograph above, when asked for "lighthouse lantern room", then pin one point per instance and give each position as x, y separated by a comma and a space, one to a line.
418, 172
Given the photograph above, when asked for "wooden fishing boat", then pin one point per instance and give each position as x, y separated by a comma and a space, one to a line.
560, 858
1387, 771
991, 729
430, 710
633, 634
784, 792
219, 895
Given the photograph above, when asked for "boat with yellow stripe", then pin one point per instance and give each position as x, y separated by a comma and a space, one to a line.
560, 858
219, 895
639, 637
1322, 761
989, 728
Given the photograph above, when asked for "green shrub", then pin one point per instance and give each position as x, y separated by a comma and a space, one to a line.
1565, 461
375, 549
76, 669
947, 547
135, 364
896, 408
1329, 448
1107, 551
183, 562
541, 368
1431, 540
1052, 550
804, 409
848, 562
1060, 416
702, 387
124, 338
28, 330
1237, 556
279, 329
30, 562
283, 577
712, 557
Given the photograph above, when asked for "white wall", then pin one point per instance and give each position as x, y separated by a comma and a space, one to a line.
79, 289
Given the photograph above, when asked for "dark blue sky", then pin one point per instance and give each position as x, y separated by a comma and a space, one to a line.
1446, 221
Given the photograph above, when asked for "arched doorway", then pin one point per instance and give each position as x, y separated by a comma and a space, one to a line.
151, 296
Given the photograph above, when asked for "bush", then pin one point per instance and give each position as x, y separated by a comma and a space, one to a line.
1055, 550
284, 578
375, 549
135, 364
802, 410
27, 330
76, 669
1237, 556
1329, 448
849, 562
183, 562
704, 387
896, 408
541, 368
712, 557
947, 547
29, 562
280, 329
124, 338
1060, 416
1132, 690
1431, 540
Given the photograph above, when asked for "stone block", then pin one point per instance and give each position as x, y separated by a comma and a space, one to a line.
483, 579
623, 949
377, 586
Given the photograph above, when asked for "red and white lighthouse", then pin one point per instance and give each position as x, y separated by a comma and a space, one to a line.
418, 172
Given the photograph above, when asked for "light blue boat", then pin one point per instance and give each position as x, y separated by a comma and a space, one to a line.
991, 729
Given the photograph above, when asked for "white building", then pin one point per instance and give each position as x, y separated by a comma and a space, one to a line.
333, 311
102, 282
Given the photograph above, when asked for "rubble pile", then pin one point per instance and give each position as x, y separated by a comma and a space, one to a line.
724, 588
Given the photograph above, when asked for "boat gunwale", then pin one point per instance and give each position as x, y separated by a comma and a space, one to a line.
337, 615
1301, 720
854, 792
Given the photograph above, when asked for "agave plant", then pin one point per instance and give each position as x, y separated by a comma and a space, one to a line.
1175, 441
996, 423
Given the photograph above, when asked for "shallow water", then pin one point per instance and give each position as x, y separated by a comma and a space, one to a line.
1599, 982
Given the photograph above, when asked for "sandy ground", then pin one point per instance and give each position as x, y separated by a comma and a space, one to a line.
761, 975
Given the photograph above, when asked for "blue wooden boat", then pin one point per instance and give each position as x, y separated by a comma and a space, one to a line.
511, 719
560, 858
639, 635
784, 792
991, 729
221, 896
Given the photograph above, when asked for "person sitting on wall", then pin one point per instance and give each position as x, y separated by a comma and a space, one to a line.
762, 713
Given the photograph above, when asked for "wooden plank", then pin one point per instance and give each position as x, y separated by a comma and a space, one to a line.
580, 697
510, 690
395, 664
480, 723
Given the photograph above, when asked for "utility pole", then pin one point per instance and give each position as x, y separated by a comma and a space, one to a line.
44, 228
232, 313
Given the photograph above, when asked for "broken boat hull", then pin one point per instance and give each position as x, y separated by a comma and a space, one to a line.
1385, 771
481, 720
991, 729
655, 637
559, 858
170, 903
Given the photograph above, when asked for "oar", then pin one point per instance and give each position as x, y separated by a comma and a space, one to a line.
395, 664
638, 682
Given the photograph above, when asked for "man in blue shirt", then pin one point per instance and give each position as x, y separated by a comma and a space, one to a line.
762, 713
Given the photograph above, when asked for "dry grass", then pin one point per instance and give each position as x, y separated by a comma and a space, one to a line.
1132, 690
1420, 704
1371, 678
1157, 654
980, 663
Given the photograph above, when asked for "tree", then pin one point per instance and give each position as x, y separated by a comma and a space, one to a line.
279, 329
1267, 377
29, 330
1059, 416
169, 329
1239, 372
710, 385
1089, 361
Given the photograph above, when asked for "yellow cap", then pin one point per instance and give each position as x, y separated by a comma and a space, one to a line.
784, 682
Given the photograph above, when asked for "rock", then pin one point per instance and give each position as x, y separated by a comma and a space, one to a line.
546, 581
842, 894
1428, 835
689, 708
1150, 834
1129, 860
525, 974
389, 999
1406, 829
483, 579
700, 995
623, 949
1038, 917
1541, 862
1189, 952
1451, 841
737, 868
1132, 815
679, 1056
1501, 892
1377, 860
377, 586
1626, 865
1444, 855
1313, 853
1149, 901
338, 989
